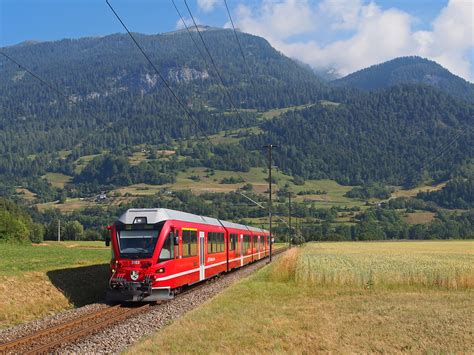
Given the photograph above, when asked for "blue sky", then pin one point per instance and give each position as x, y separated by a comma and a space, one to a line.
343, 35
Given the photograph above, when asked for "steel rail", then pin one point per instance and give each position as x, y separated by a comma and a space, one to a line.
81, 333
62, 332
72, 330
30, 337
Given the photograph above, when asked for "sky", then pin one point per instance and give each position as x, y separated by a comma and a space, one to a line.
338, 35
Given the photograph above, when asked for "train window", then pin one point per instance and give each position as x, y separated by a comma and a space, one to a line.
189, 243
246, 244
233, 242
210, 242
215, 242
222, 241
167, 251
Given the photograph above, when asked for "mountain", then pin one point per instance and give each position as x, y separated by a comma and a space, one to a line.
394, 135
121, 100
121, 108
408, 70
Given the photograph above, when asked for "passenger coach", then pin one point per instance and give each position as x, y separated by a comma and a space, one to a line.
155, 252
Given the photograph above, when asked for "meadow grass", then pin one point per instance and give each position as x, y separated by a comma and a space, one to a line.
271, 114
419, 217
445, 264
70, 205
399, 192
16, 259
82, 162
26, 194
39, 280
273, 312
57, 179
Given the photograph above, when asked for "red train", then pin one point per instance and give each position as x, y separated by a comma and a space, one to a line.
155, 252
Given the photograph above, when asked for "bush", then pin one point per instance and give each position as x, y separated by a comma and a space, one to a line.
12, 229
298, 180
92, 234
37, 233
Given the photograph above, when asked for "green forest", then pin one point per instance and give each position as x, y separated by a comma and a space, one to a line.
121, 127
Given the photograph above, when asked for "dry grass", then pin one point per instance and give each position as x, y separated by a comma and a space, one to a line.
413, 192
27, 297
71, 204
419, 217
285, 269
271, 313
57, 180
26, 194
444, 264
39, 280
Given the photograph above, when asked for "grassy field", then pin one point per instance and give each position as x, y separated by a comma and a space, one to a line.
70, 205
57, 179
81, 163
271, 114
26, 194
419, 217
442, 264
413, 192
279, 309
43, 279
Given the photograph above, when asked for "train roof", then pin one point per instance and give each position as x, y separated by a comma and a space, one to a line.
156, 215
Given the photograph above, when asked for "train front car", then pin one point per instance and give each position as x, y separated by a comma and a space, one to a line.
142, 249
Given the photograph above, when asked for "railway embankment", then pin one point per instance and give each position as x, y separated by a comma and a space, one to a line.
72, 328
40, 280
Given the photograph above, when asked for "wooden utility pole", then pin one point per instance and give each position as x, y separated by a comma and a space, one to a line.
289, 220
59, 230
270, 147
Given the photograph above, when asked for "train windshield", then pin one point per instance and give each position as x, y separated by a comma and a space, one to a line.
135, 244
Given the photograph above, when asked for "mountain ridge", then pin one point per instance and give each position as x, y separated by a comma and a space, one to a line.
408, 70
120, 103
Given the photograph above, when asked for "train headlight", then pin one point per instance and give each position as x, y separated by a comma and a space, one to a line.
160, 270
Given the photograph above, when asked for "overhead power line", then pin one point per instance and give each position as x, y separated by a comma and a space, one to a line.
214, 65
36, 76
189, 32
181, 104
51, 87
444, 148
240, 48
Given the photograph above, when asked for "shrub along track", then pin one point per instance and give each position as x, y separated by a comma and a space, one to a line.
110, 329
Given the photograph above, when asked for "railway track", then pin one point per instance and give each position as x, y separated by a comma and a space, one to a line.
51, 338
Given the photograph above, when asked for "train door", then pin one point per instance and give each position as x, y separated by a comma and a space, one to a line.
241, 250
202, 273
258, 246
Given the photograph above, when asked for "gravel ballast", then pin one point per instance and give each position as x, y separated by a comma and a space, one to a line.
117, 338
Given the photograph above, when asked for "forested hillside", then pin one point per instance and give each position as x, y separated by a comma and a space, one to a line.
393, 136
120, 125
409, 70
121, 99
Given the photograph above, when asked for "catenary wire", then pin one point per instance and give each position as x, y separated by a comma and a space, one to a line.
190, 35
178, 100
444, 149
215, 66
240, 48
51, 87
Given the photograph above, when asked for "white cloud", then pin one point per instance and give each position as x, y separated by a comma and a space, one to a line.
207, 5
370, 34
452, 38
189, 22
